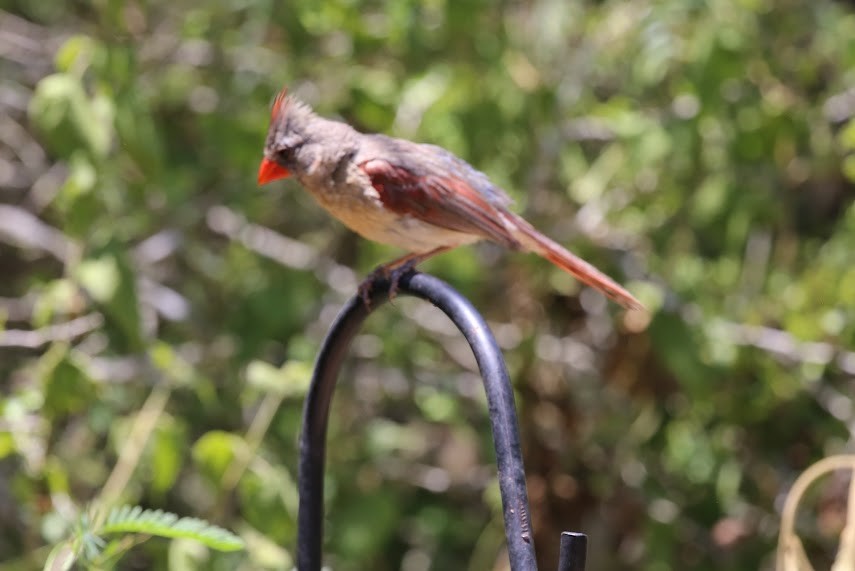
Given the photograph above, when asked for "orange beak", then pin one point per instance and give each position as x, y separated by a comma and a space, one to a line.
270, 171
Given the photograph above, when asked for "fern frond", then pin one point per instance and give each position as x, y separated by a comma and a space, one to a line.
134, 519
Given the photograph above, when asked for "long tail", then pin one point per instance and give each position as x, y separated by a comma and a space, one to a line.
536, 242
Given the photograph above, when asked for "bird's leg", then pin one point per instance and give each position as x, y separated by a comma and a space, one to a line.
394, 271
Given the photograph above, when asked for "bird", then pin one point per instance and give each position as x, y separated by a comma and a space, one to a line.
418, 197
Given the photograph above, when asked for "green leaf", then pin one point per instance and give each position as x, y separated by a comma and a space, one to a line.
111, 281
75, 54
69, 118
100, 277
134, 519
58, 297
849, 167
847, 135
166, 454
291, 379
215, 450
67, 387
7, 444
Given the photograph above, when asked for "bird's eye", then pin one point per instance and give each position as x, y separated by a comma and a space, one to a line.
287, 154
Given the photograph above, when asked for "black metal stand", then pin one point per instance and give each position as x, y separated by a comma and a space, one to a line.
500, 400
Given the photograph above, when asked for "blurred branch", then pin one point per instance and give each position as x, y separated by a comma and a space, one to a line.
17, 308
587, 129
20, 228
60, 332
784, 345
158, 247
15, 97
254, 435
28, 44
279, 248
127, 368
21, 142
132, 449
44, 188
166, 301
116, 369
261, 240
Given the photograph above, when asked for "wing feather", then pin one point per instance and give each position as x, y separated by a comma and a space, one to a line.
445, 201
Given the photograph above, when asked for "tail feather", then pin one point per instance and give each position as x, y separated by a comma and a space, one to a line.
574, 265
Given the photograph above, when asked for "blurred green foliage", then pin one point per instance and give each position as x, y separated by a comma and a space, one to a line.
701, 152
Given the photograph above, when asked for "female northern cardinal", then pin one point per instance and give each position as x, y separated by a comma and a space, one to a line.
418, 197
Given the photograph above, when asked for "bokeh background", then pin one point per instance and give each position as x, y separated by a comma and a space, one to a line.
159, 313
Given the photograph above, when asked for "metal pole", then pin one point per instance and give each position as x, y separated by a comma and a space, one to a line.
500, 400
574, 548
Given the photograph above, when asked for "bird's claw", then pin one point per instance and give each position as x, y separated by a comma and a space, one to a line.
393, 275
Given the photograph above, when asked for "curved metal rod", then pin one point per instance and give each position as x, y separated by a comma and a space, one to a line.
500, 400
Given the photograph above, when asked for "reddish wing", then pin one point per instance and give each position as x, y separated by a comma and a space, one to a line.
443, 201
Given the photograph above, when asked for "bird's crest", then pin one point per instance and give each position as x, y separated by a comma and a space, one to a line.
280, 102
286, 106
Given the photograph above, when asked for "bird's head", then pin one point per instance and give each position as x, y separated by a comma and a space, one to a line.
290, 138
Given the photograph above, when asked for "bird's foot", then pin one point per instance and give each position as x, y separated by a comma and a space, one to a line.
392, 273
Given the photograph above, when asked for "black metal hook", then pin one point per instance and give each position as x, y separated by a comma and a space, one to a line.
500, 400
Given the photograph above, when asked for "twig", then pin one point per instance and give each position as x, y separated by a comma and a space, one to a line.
60, 332
132, 449
21, 228
281, 249
254, 435
261, 240
17, 308
786, 346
